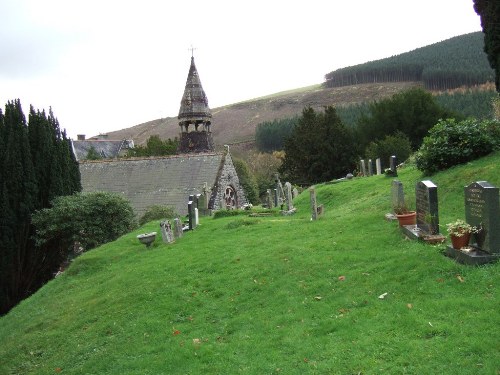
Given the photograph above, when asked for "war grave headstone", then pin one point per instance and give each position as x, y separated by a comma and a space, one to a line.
166, 232
378, 166
397, 198
482, 210
426, 202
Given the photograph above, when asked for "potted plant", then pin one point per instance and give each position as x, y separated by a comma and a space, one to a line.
405, 215
460, 233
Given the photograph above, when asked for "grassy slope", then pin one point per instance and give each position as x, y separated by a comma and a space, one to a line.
263, 295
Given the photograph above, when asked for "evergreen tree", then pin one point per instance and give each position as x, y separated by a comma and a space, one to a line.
489, 11
36, 165
412, 112
319, 149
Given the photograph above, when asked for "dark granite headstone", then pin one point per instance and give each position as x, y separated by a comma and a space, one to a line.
427, 207
426, 202
482, 211
191, 214
393, 165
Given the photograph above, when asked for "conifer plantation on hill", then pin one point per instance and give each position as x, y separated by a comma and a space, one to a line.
272, 295
235, 123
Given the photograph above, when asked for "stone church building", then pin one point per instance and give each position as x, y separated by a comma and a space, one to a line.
169, 181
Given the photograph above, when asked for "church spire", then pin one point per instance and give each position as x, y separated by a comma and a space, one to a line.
194, 103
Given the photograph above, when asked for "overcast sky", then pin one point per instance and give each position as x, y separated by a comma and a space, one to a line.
104, 65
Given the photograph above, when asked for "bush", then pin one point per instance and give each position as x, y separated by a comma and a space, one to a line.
91, 219
226, 213
157, 213
451, 143
247, 180
397, 144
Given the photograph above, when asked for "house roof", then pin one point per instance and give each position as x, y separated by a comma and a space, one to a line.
105, 148
166, 181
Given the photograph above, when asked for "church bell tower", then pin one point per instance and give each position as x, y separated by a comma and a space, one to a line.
194, 116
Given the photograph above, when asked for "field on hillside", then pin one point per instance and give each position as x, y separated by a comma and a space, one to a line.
272, 295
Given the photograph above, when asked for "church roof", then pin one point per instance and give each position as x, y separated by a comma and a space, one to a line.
165, 181
105, 148
194, 104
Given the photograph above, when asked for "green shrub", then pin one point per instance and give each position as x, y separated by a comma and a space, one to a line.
397, 144
226, 213
157, 212
91, 219
451, 143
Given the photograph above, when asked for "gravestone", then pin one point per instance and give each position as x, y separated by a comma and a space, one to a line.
177, 228
289, 198
363, 167
378, 166
191, 214
166, 232
393, 171
196, 217
426, 203
397, 194
370, 167
482, 210
314, 207
269, 199
295, 193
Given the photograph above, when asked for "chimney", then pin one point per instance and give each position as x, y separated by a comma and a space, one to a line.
80, 137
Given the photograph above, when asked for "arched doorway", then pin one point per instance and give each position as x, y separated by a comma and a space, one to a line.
230, 199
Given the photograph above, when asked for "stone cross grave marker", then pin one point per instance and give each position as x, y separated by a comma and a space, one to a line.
427, 207
482, 210
378, 165
177, 228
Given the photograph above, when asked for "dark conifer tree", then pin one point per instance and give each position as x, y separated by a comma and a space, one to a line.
489, 11
36, 165
319, 149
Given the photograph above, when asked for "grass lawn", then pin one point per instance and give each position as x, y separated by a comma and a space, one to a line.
272, 295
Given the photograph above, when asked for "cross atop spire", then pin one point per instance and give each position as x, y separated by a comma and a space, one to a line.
192, 50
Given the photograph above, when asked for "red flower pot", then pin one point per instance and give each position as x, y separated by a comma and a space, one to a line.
459, 242
407, 219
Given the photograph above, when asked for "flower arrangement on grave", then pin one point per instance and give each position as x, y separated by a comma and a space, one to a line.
460, 228
460, 233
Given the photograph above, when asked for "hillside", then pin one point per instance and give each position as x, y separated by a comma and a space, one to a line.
236, 122
272, 295
455, 62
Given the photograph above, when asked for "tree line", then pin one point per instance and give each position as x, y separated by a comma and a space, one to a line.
456, 62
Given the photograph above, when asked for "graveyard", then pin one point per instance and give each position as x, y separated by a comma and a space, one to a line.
346, 293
